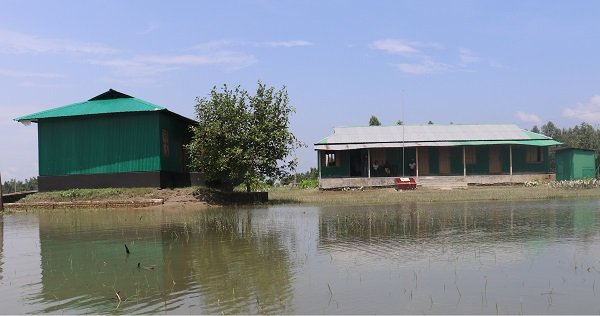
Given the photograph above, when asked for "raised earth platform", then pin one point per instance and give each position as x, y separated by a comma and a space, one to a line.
436, 182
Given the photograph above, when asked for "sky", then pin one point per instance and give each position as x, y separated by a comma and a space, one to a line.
460, 62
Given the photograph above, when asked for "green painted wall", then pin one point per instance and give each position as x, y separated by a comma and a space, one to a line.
520, 163
179, 134
341, 170
124, 142
573, 164
456, 160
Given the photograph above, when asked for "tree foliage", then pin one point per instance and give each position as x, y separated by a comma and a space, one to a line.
583, 136
374, 121
242, 138
13, 185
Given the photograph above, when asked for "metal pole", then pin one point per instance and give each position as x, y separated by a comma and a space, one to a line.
403, 124
1, 201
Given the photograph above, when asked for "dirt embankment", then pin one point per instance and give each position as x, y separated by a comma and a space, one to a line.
108, 198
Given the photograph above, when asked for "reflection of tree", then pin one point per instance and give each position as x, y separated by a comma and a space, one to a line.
239, 268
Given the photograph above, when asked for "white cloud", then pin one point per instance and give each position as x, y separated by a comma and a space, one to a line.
423, 68
293, 43
19, 43
396, 46
528, 118
27, 74
149, 65
467, 56
216, 45
224, 44
588, 112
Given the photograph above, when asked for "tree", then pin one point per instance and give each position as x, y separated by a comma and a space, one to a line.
430, 123
399, 122
535, 129
374, 121
243, 139
550, 130
14, 185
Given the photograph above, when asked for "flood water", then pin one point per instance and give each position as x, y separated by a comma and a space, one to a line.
539, 257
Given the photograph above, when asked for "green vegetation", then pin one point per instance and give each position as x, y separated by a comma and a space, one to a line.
374, 121
583, 136
308, 179
304, 193
13, 185
390, 195
243, 139
101, 194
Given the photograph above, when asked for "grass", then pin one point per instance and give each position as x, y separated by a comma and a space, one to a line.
390, 195
105, 194
286, 195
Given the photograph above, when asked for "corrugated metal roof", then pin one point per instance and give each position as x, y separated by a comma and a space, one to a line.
430, 135
109, 102
547, 142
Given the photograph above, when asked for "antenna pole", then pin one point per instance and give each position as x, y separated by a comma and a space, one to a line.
403, 124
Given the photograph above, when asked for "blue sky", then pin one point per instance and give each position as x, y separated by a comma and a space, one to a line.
465, 62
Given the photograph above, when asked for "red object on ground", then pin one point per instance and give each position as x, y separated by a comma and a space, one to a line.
405, 183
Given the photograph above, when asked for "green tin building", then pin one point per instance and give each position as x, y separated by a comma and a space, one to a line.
471, 154
575, 163
111, 140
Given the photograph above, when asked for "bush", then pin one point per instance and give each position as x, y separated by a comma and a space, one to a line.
309, 183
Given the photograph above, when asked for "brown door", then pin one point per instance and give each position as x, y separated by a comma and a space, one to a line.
423, 163
444, 160
495, 160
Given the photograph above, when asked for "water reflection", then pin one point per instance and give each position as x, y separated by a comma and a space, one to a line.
533, 257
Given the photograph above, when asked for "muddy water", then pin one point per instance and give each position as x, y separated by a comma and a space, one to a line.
468, 258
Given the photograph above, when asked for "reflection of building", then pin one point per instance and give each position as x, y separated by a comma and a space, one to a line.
83, 254
111, 140
374, 155
211, 260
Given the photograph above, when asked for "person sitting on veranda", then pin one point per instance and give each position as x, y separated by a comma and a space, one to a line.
412, 166
375, 167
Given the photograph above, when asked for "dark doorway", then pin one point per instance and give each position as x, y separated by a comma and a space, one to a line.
358, 163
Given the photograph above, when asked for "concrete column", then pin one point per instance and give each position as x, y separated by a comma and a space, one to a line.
319, 165
510, 154
417, 161
1, 201
369, 163
464, 162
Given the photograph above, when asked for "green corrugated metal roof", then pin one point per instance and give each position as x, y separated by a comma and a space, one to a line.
95, 107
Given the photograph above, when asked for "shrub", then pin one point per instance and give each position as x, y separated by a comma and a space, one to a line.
309, 183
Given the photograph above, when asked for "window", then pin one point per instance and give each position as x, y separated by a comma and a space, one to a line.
331, 159
535, 154
165, 143
470, 155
